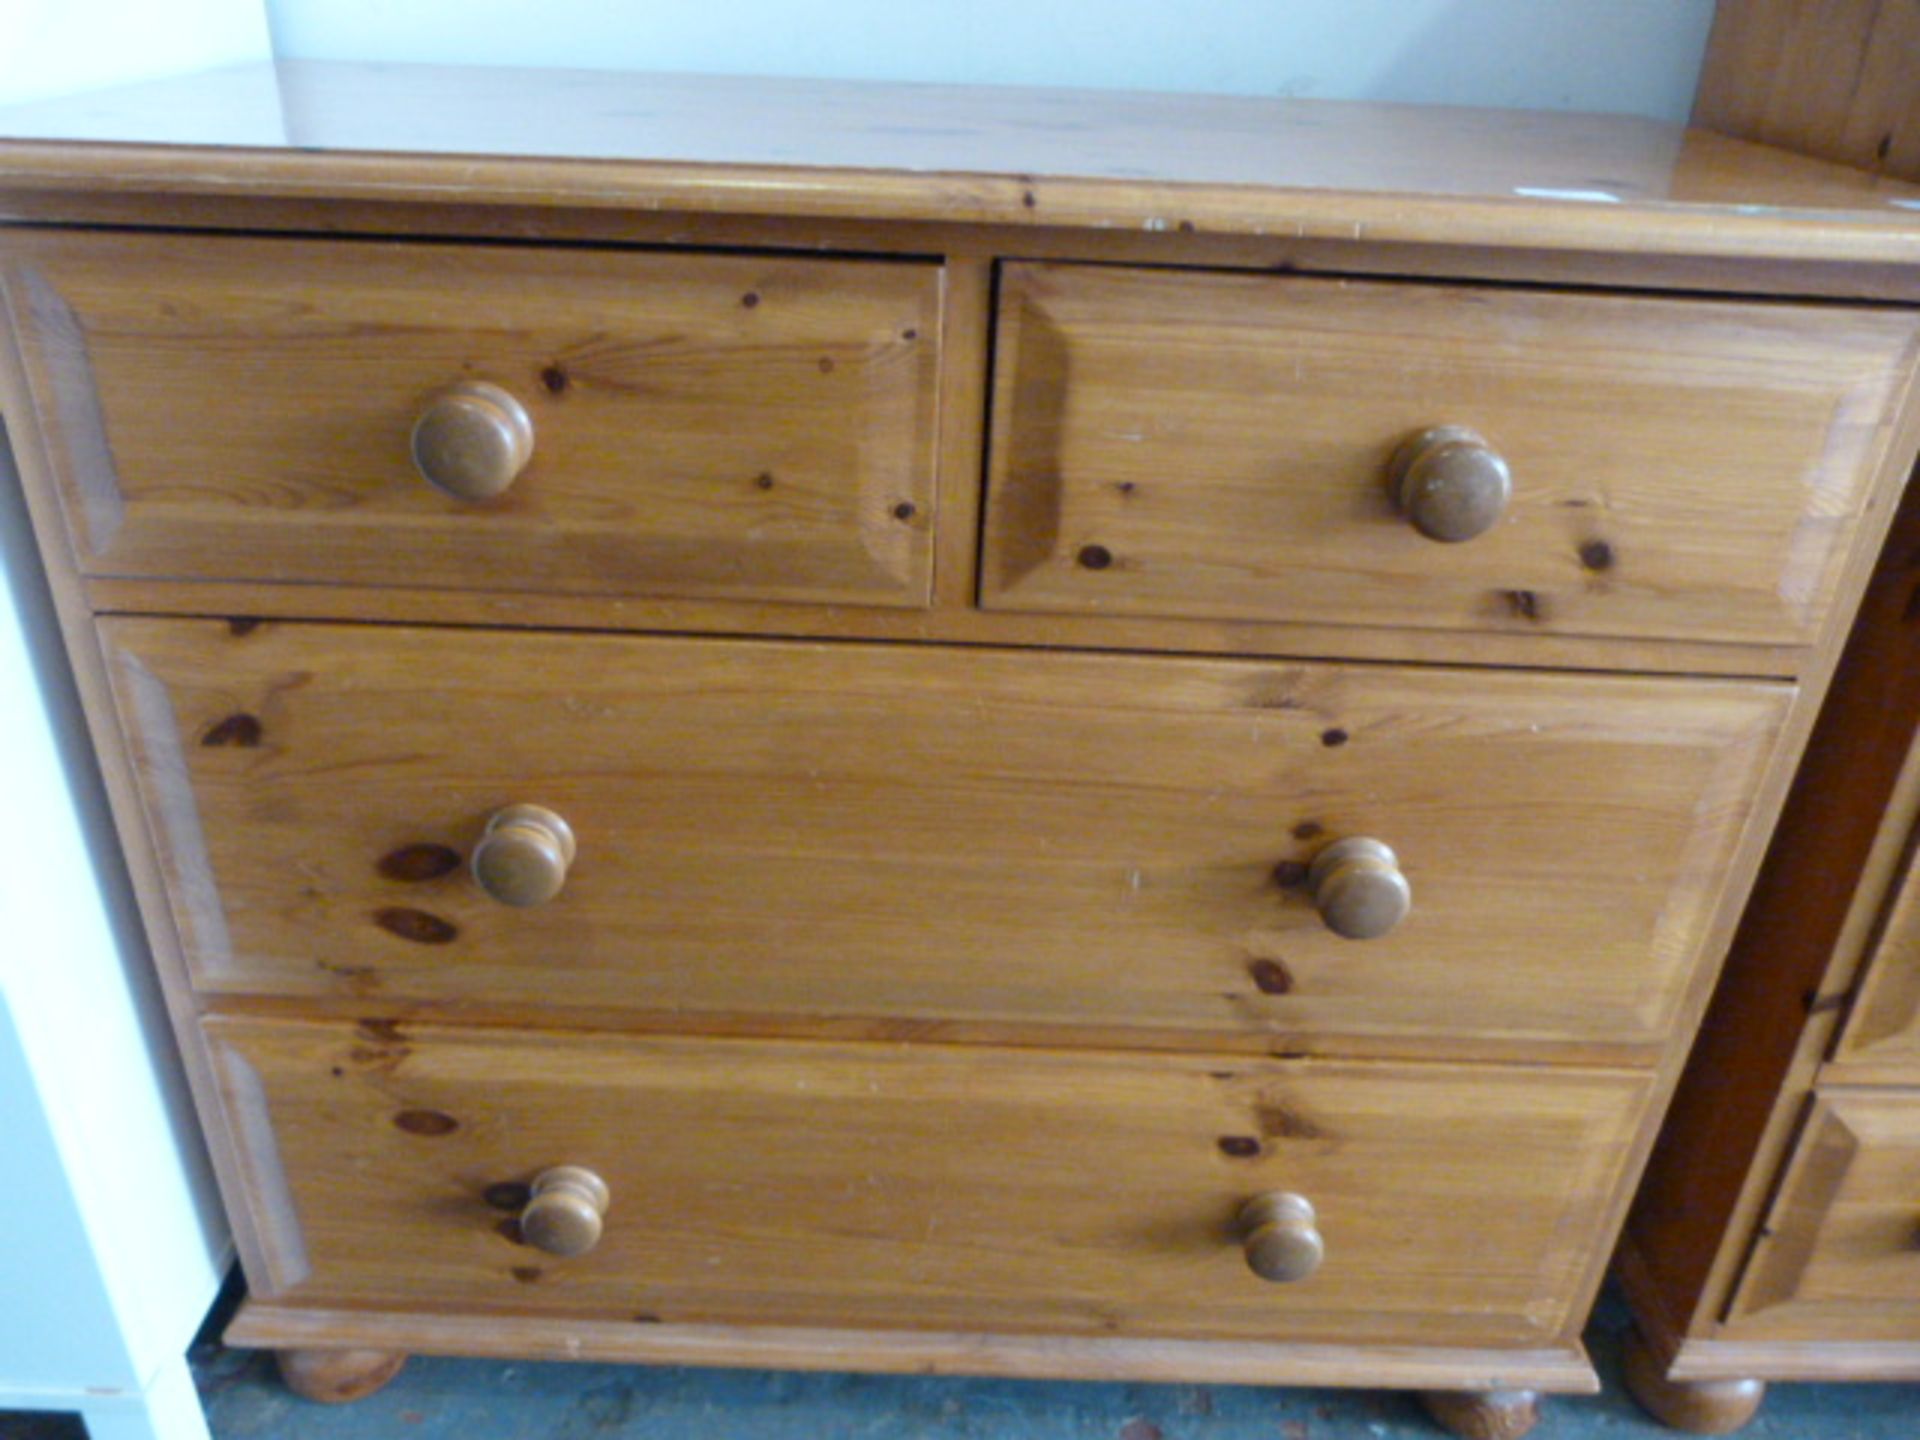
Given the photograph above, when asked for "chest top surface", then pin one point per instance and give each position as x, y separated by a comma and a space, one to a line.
882, 151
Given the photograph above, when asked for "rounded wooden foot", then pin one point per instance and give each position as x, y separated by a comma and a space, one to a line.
334, 1377
1483, 1414
1702, 1407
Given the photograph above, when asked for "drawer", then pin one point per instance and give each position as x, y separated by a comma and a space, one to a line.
930, 1187
699, 425
1219, 446
848, 834
1881, 1039
1838, 1257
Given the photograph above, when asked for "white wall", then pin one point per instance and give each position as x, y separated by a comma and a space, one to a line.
1638, 56
55, 47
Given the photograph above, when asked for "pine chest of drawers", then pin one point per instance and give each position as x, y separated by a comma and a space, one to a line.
842, 726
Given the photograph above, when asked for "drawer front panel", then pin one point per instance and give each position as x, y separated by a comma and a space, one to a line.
1882, 1033
931, 1187
975, 838
705, 426
1837, 1256
1218, 446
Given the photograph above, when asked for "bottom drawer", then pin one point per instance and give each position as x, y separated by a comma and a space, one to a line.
953, 1188
1839, 1257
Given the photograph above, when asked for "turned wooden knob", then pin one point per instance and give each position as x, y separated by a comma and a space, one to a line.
473, 440
566, 1211
1280, 1237
1358, 888
1450, 483
523, 856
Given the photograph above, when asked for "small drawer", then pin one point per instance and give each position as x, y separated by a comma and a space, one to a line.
594, 422
953, 840
1840, 1252
934, 1187
1236, 446
1881, 1038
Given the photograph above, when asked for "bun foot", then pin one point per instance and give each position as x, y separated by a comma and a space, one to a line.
1483, 1414
1700, 1407
333, 1377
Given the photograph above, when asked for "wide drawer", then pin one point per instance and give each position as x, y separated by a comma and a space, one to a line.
700, 425
1212, 445
768, 1182
1837, 1259
869, 835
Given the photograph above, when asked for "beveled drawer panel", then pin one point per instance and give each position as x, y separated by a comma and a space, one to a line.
935, 1187
1881, 1038
1219, 446
1837, 1256
960, 840
701, 425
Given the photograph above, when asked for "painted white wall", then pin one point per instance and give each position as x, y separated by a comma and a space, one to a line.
1634, 56
57, 47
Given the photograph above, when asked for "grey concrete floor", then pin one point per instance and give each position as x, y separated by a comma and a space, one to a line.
482, 1400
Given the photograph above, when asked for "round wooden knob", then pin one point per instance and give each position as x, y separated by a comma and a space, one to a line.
1450, 483
1358, 888
523, 856
566, 1211
1282, 1241
473, 440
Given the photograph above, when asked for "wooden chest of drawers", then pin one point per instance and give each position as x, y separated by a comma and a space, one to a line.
1014, 733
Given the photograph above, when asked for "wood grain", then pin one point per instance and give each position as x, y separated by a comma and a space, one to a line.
954, 621
704, 425
1485, 1414
1708, 1358
1171, 444
337, 1377
1880, 1041
938, 1187
1104, 844
834, 149
1837, 1255
1805, 274
919, 1352
1699, 1407
1836, 855
1829, 78
26, 440
919, 840
966, 337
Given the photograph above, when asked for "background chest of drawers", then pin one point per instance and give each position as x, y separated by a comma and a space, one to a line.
1774, 1237
1001, 732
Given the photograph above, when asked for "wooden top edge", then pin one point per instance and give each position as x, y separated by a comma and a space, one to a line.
860, 150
